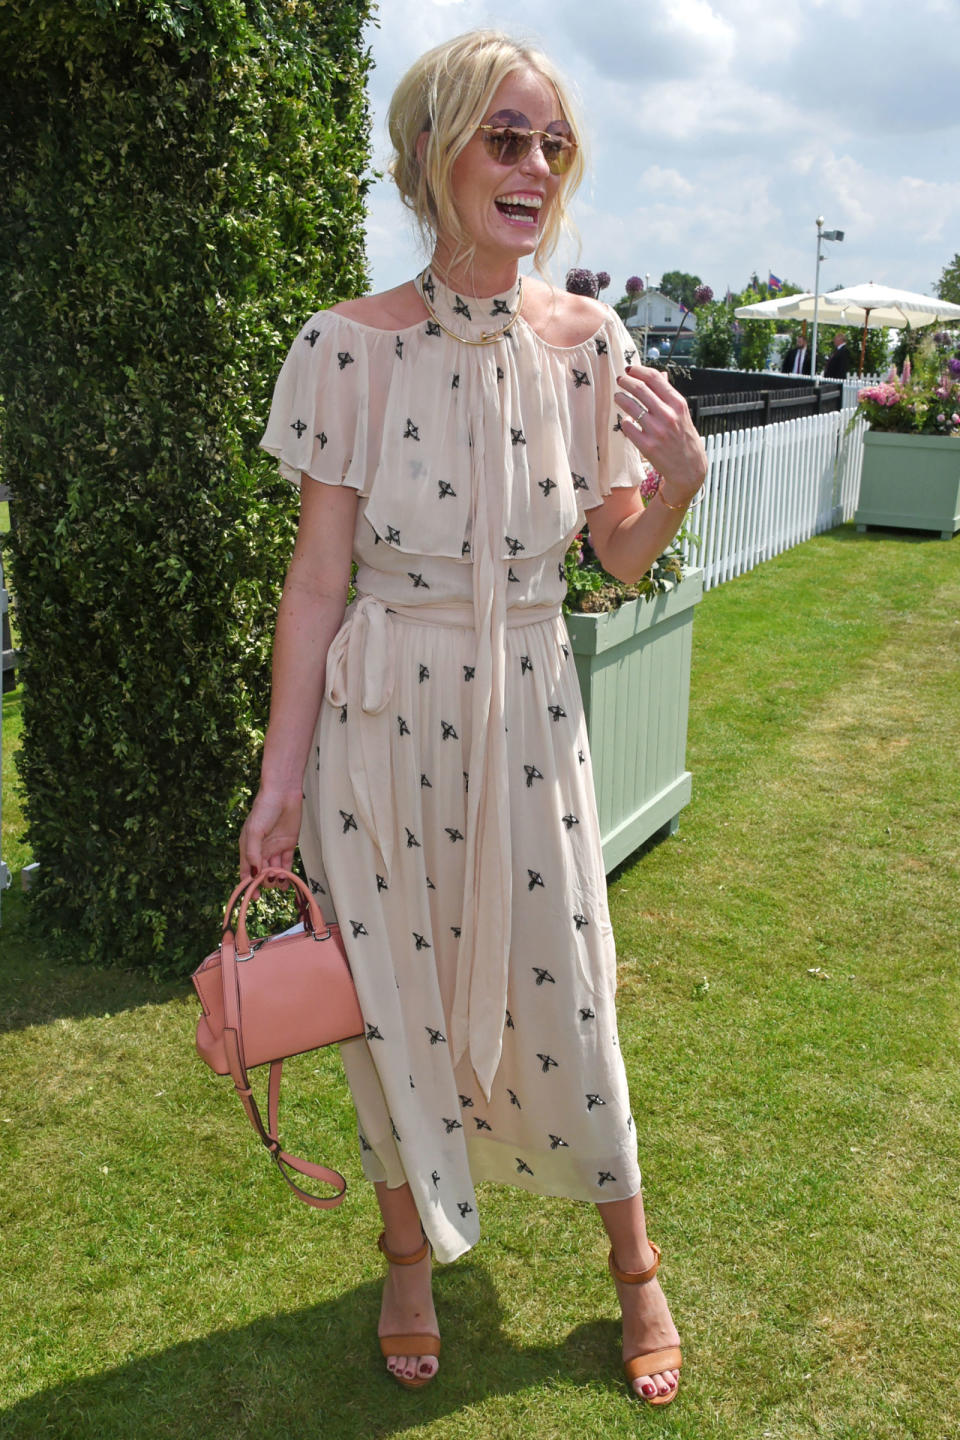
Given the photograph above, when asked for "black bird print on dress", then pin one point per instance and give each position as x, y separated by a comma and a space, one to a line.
466, 1102
557, 1142
481, 1124
343, 714
500, 307
344, 359
595, 1100
455, 383
579, 481
358, 928
316, 888
412, 432
566, 650
364, 1144
299, 427
570, 820
586, 1013
394, 1132
393, 536
433, 328
509, 1021
534, 878
424, 674
412, 841
547, 1062
428, 286
468, 672
373, 1032
417, 580
601, 345
603, 1176
454, 834
511, 576
547, 485
522, 1167
435, 1177
323, 440
525, 664
558, 712
456, 931
581, 757
465, 548
514, 546
348, 821
517, 436
398, 348
628, 355
402, 726
580, 377
532, 773
499, 373
464, 1207
430, 884
312, 338
451, 1124
543, 976
425, 783
461, 308
446, 489
580, 921
619, 424
513, 1099
448, 731
437, 1037
422, 942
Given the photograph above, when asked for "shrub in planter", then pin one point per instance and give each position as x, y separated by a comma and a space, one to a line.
181, 186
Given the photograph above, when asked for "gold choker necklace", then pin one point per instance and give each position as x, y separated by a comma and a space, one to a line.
485, 338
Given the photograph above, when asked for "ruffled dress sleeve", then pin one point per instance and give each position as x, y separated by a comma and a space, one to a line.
620, 464
318, 422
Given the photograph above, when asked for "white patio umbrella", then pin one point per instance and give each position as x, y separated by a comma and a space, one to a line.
872, 304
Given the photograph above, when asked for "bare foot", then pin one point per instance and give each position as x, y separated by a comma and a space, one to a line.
647, 1326
407, 1309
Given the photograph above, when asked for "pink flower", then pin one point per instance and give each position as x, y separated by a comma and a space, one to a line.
907, 372
650, 484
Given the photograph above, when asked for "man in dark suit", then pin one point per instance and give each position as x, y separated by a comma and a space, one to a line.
838, 364
797, 359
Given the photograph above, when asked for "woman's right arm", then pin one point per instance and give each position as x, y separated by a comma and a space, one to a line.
310, 614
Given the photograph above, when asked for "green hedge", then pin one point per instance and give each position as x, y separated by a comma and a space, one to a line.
182, 188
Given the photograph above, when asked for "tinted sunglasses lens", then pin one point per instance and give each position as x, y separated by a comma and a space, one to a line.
558, 153
507, 145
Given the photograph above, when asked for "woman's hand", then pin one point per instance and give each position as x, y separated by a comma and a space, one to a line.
656, 419
269, 836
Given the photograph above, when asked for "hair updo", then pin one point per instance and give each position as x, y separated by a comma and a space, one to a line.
446, 94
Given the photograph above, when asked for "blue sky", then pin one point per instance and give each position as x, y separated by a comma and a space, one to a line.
719, 131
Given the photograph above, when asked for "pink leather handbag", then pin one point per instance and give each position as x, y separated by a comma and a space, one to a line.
265, 1000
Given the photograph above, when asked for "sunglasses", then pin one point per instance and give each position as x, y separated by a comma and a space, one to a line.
508, 138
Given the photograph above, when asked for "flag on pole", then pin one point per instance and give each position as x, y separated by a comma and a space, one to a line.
774, 282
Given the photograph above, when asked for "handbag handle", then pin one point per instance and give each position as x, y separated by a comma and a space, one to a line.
310, 912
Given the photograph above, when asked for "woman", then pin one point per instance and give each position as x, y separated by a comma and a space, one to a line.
460, 426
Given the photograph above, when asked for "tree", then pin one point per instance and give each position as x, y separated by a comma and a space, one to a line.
713, 341
680, 286
948, 286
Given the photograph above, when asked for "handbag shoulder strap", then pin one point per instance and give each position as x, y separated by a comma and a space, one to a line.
269, 1134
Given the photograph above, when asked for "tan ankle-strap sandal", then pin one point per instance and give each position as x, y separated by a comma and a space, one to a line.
654, 1362
417, 1345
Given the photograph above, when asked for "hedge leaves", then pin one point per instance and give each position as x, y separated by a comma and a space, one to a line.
182, 188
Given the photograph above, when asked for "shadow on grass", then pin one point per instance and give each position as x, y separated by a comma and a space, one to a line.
849, 533
313, 1373
36, 988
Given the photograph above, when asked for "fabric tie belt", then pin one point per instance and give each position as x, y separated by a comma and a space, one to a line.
361, 674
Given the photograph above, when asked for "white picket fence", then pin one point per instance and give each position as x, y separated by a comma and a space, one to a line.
772, 487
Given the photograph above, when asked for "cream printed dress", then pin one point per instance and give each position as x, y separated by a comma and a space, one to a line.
449, 817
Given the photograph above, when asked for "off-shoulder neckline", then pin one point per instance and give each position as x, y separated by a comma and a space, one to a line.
397, 330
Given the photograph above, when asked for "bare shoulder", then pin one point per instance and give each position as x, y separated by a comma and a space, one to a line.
389, 310
558, 317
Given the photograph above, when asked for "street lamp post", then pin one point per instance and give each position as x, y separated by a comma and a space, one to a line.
821, 235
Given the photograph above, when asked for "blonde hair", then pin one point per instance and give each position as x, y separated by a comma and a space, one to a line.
445, 94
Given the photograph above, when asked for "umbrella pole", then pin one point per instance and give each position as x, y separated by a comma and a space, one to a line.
863, 340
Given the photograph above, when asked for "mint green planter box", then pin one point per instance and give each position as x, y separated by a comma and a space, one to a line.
911, 482
633, 665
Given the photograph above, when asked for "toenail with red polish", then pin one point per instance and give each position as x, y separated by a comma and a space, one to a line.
649, 1389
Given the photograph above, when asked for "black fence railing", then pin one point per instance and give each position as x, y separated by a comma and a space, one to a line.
719, 401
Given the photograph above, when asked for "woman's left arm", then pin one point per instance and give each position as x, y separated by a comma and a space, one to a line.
626, 534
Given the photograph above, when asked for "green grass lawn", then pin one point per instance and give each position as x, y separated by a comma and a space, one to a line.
789, 1004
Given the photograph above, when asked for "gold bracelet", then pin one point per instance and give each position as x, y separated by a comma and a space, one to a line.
686, 504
